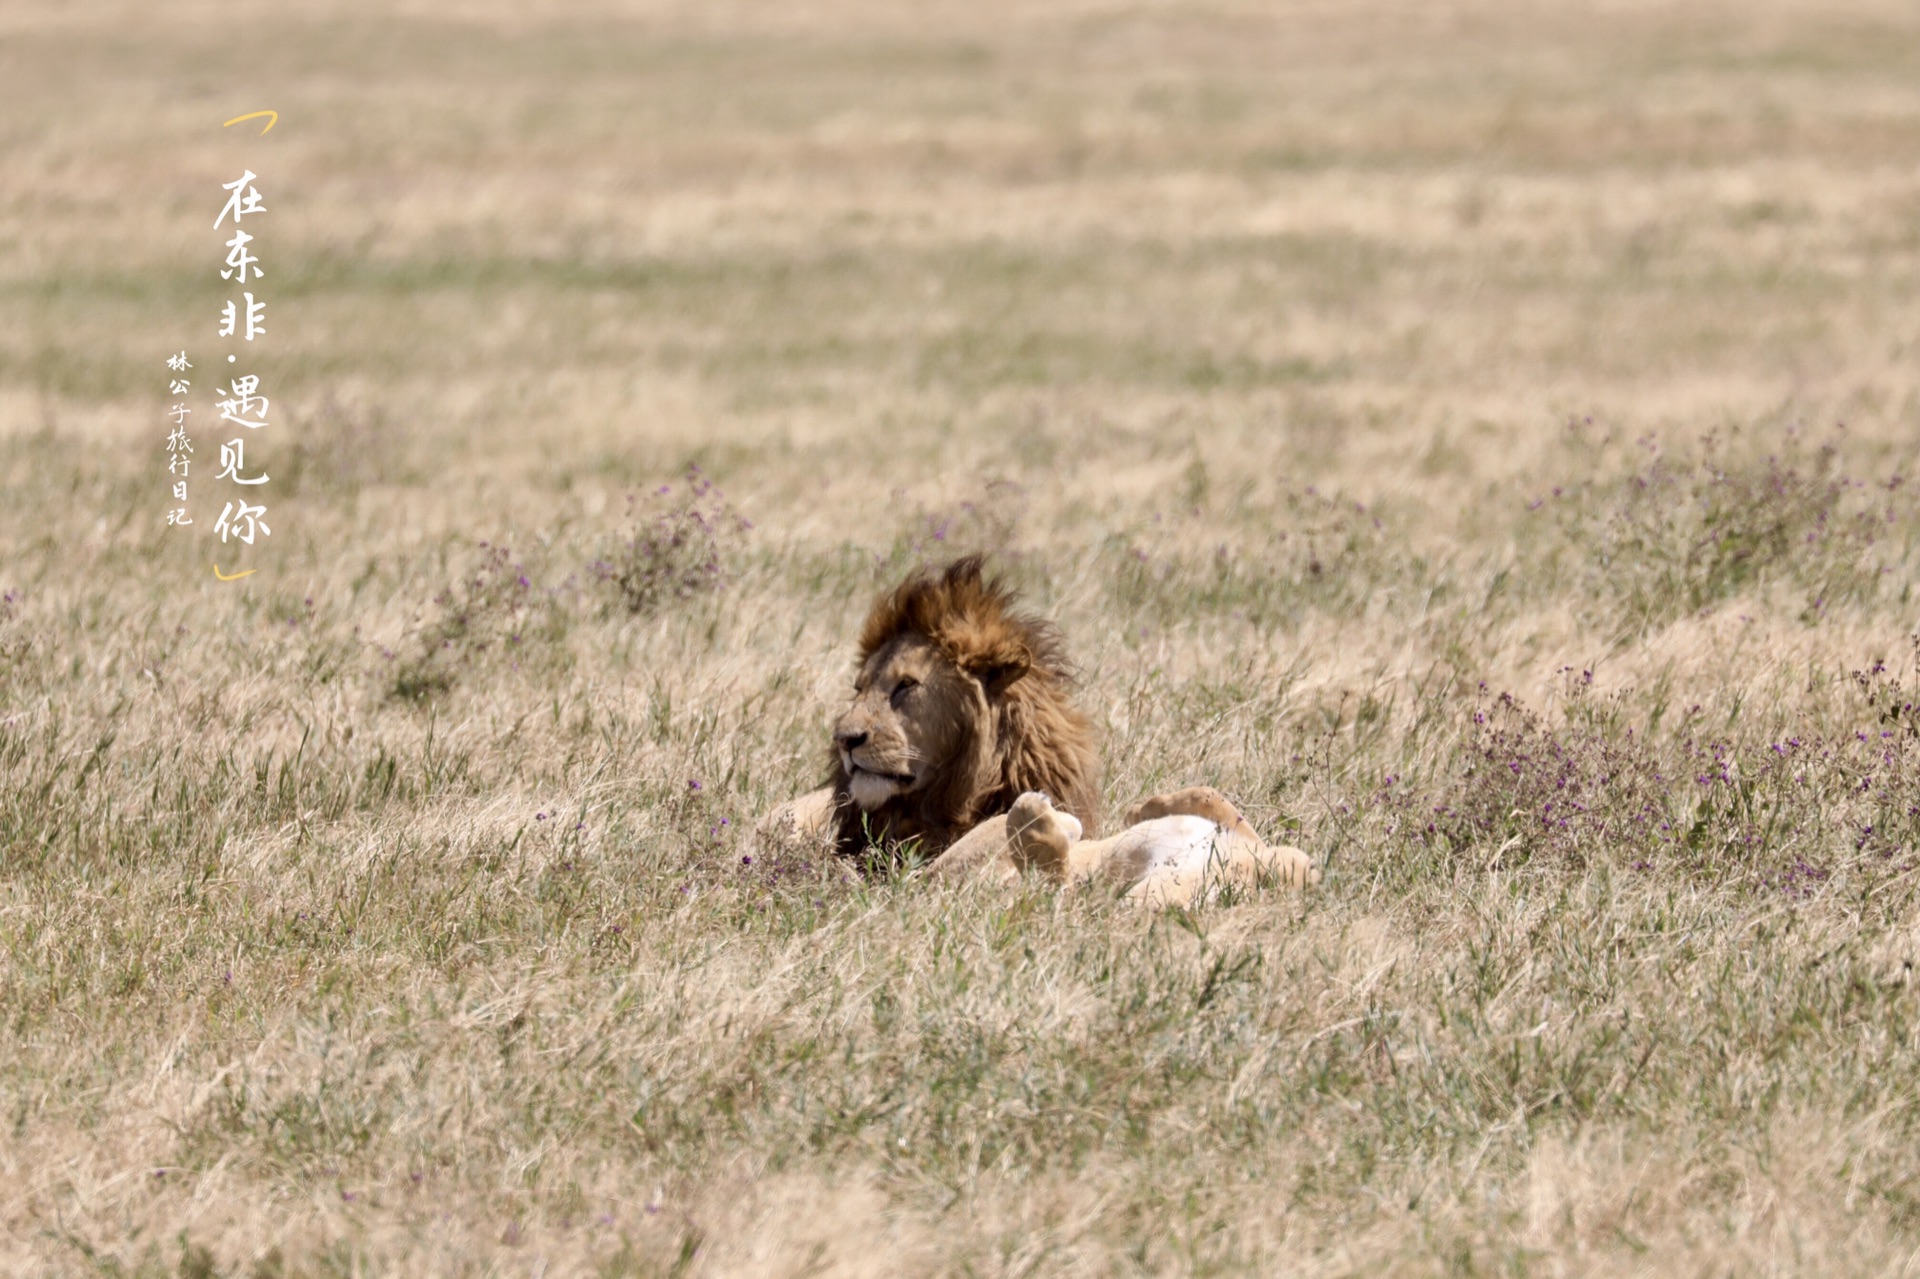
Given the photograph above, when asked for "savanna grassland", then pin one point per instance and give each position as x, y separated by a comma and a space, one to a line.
1479, 437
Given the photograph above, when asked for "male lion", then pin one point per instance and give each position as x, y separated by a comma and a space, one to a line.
960, 715
961, 705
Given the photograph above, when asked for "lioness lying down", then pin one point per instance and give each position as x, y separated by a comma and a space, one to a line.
961, 713
1176, 849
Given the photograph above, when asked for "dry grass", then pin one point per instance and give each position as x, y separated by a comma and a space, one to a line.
1326, 374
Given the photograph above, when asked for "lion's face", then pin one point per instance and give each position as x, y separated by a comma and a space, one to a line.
960, 705
913, 713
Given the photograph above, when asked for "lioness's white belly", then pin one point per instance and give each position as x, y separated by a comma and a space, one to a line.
1163, 846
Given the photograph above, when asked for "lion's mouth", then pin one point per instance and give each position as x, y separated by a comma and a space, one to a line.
857, 769
871, 787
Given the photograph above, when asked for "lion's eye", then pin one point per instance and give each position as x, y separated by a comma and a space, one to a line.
901, 689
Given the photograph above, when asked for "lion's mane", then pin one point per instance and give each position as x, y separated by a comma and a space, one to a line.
1039, 741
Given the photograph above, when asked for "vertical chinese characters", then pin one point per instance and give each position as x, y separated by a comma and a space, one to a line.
243, 406
179, 447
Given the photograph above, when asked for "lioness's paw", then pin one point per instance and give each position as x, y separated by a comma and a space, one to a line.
1289, 865
1032, 806
803, 822
1039, 835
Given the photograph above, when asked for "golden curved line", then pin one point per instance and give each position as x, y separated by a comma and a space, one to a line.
236, 577
255, 115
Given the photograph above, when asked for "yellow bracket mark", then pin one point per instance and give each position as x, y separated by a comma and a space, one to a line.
236, 577
274, 118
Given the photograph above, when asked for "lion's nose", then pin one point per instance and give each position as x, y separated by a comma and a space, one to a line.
849, 740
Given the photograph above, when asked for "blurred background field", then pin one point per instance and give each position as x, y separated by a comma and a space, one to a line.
1476, 436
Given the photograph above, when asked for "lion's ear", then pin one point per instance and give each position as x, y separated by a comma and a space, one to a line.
1001, 667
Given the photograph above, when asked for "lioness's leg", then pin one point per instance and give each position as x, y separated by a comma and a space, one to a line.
1037, 840
1045, 839
1194, 801
1281, 863
806, 820
984, 848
